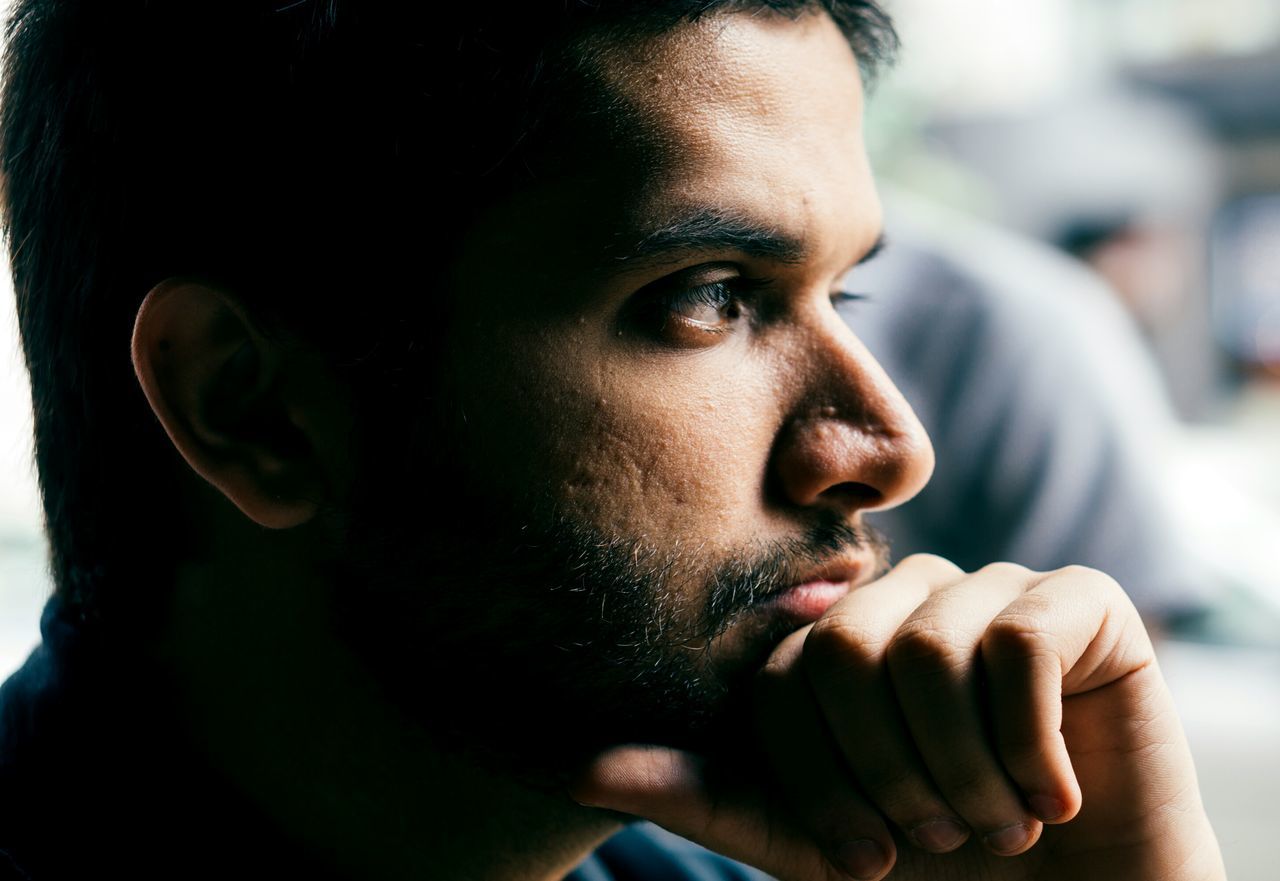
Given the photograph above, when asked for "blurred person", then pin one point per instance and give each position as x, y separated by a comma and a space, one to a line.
1135, 204
492, 468
1048, 416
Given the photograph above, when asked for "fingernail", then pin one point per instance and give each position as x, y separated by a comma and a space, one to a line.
940, 835
1047, 807
1008, 839
862, 858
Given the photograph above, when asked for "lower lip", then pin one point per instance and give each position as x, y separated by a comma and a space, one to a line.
807, 602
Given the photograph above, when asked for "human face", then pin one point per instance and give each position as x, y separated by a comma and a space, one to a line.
656, 421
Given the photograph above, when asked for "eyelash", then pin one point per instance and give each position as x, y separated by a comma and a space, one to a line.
720, 294
850, 297
716, 294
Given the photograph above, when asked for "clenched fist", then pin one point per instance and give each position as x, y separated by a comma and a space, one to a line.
1005, 724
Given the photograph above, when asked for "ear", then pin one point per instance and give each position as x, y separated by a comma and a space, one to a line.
230, 402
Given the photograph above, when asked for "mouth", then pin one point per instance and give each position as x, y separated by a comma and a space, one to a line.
808, 599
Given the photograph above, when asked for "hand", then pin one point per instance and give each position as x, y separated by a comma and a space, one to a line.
930, 725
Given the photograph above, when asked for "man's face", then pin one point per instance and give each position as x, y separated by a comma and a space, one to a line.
652, 422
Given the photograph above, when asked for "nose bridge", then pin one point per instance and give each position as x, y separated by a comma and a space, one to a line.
850, 385
852, 440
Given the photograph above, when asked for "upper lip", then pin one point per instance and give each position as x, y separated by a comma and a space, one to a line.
852, 568
844, 569
848, 569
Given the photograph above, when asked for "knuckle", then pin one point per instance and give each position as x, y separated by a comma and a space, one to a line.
1075, 570
1080, 576
924, 642
1017, 636
1023, 630
1093, 583
931, 565
1010, 571
1033, 607
837, 645
927, 645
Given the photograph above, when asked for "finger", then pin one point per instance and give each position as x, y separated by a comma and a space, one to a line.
844, 660
809, 773
722, 812
1101, 635
1073, 631
1023, 665
934, 664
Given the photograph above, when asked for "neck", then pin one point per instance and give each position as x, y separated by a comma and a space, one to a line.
285, 711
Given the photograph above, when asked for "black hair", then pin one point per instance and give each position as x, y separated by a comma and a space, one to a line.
307, 154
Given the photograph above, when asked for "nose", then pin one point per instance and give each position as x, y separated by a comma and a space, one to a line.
852, 442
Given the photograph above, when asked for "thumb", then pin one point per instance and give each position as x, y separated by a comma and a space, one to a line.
719, 810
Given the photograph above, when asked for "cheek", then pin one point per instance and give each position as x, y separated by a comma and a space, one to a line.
668, 458
668, 450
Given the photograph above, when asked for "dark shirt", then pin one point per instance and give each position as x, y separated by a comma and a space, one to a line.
95, 780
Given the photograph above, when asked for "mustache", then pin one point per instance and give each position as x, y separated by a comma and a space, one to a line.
742, 585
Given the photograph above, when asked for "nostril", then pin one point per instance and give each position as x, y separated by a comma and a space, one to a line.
851, 494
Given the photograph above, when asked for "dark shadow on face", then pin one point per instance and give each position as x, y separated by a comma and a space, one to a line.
532, 641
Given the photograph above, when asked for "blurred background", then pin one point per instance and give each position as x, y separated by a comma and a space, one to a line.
1140, 139
1082, 298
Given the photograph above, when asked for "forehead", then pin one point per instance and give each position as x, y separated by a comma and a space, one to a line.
720, 108
757, 117
729, 74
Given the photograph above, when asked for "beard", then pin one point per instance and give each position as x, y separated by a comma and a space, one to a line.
527, 640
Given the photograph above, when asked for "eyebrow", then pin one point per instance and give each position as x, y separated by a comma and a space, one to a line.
708, 231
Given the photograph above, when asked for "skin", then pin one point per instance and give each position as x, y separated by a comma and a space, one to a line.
636, 410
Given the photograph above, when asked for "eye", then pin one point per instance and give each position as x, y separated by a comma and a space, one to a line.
714, 305
685, 314
840, 298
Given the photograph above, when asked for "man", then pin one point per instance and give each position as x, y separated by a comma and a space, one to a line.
491, 467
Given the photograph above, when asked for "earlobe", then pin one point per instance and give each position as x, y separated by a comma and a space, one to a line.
215, 383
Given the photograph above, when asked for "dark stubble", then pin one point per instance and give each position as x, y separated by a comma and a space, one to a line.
526, 638
531, 648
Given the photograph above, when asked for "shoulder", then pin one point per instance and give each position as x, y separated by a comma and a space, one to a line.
644, 852
948, 269
10, 870
969, 314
